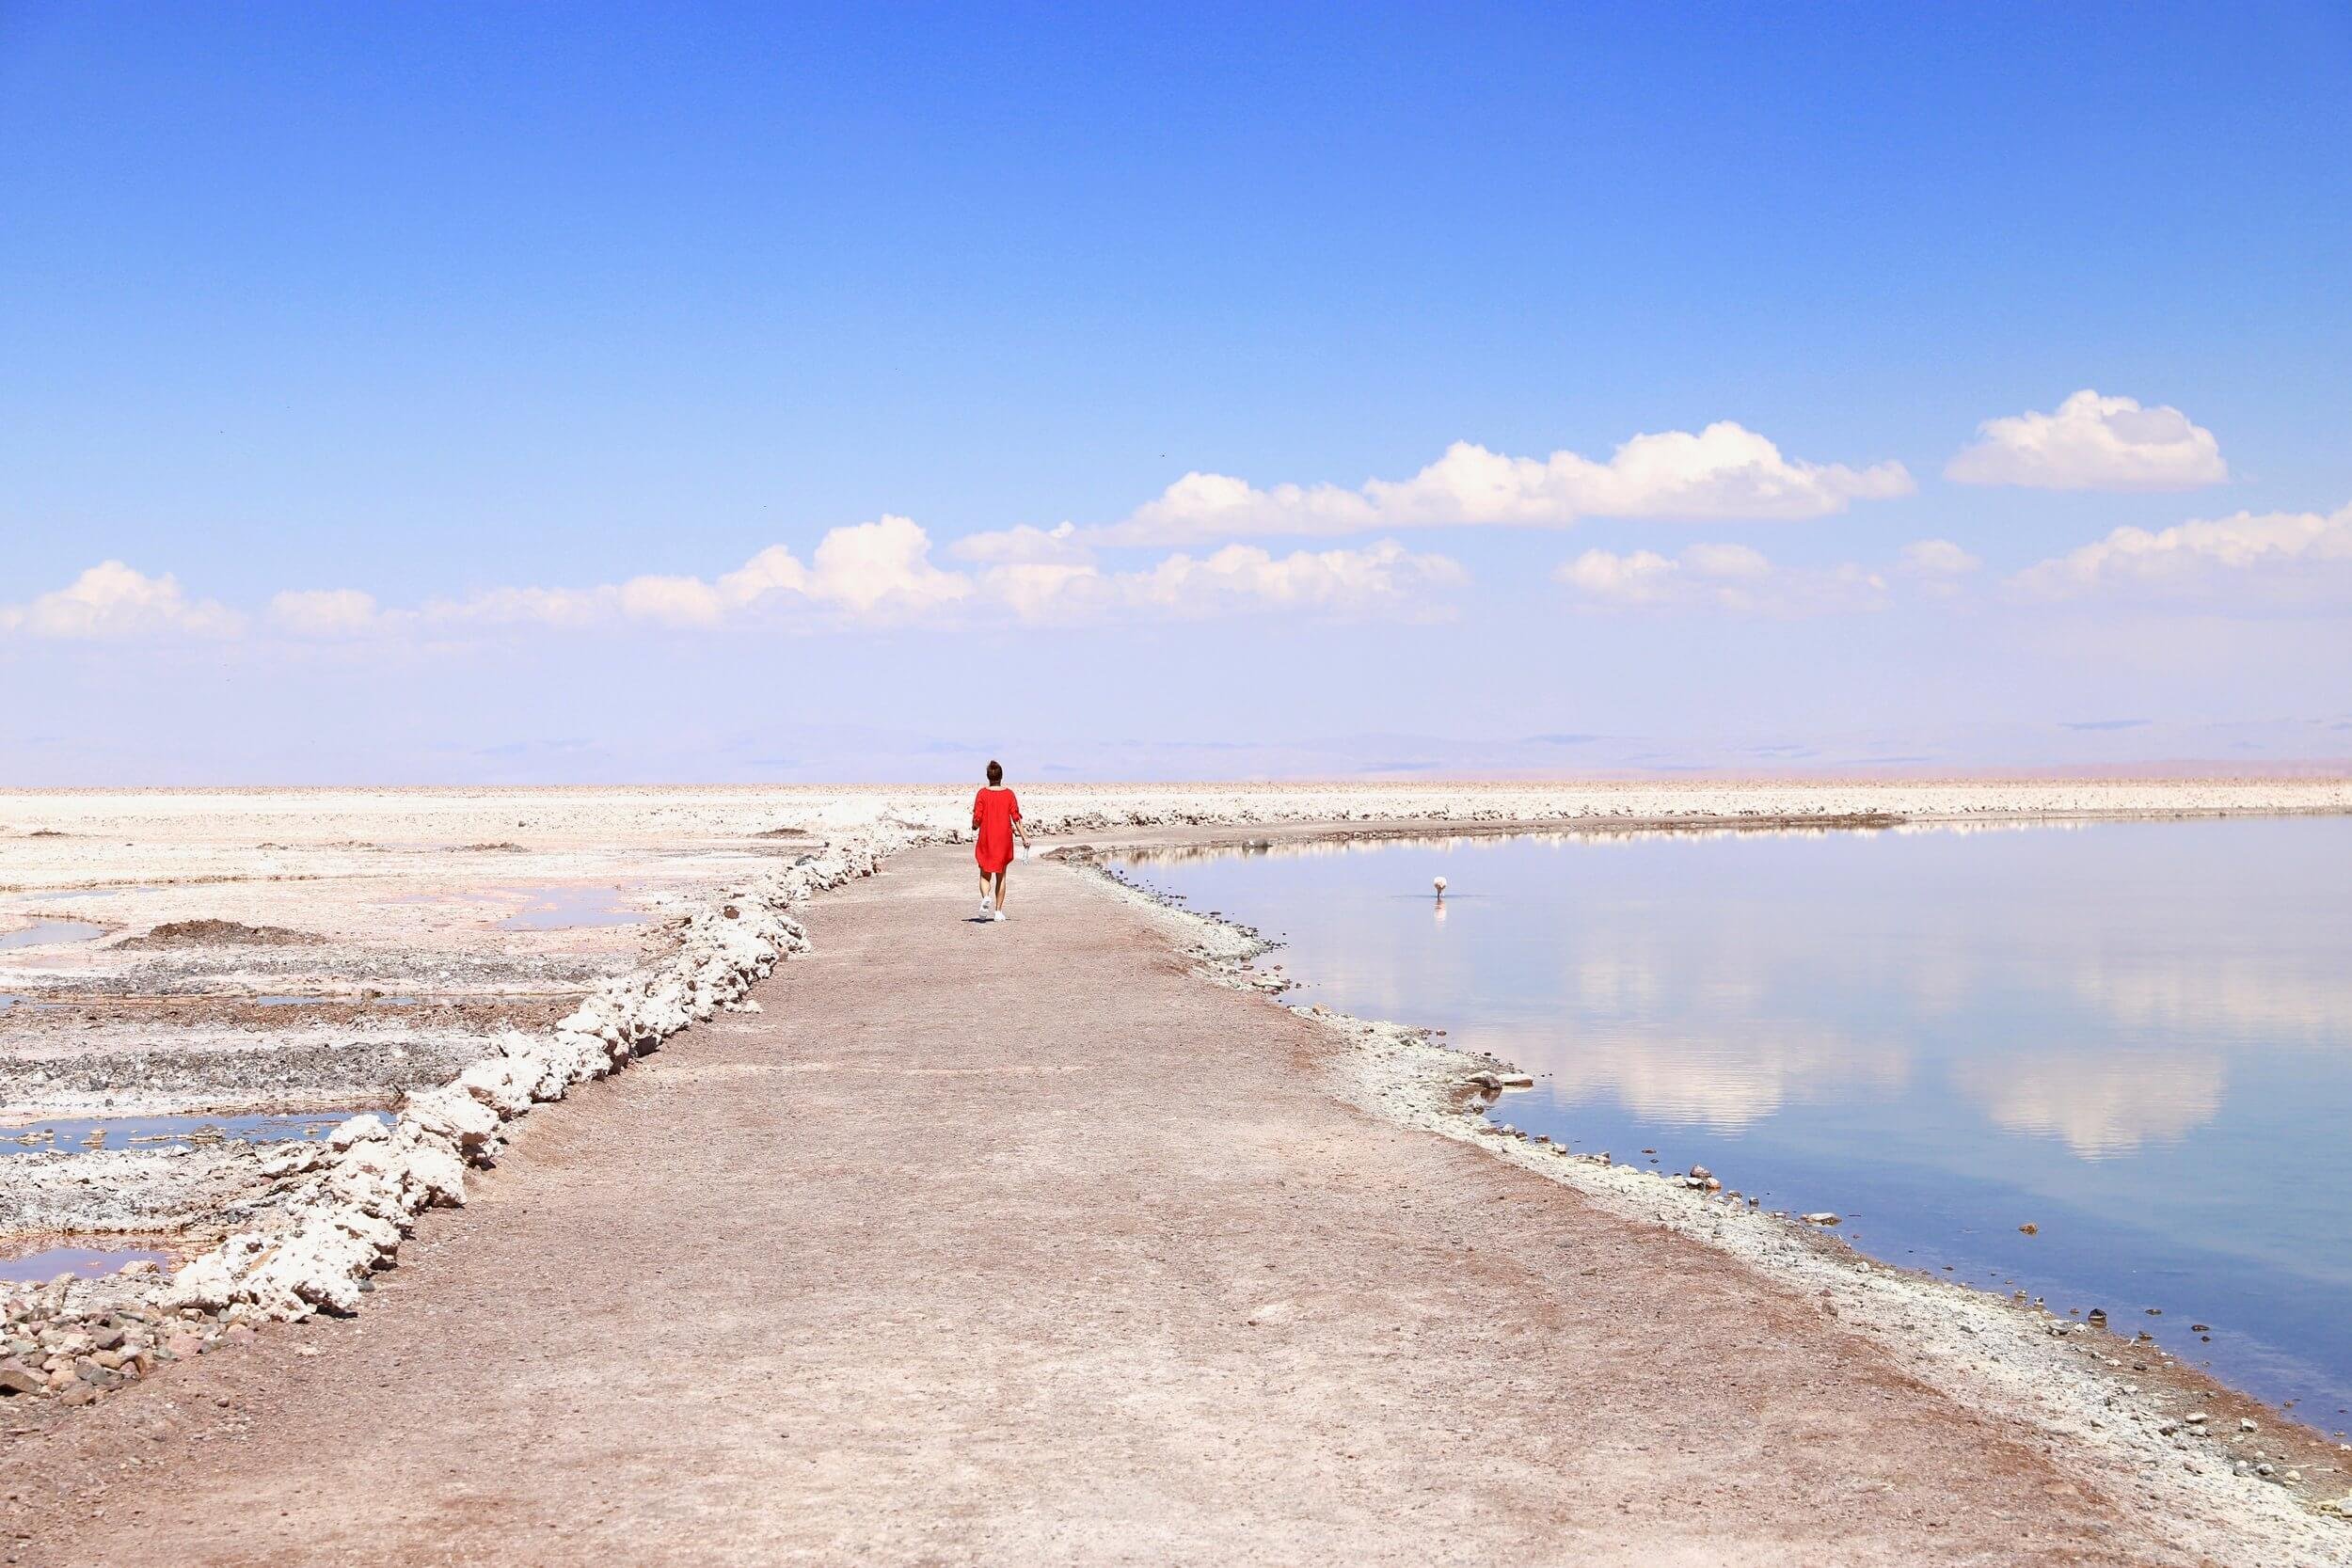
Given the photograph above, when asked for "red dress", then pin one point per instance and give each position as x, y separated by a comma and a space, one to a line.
993, 812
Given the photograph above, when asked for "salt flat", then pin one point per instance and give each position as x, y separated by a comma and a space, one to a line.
408, 893
328, 950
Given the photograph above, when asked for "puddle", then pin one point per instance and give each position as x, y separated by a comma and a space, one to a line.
562, 909
45, 932
89, 1263
91, 1134
334, 1000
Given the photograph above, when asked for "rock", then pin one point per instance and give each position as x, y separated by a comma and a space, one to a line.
77, 1396
16, 1380
1701, 1172
1822, 1217
2030, 1228
2246, 1424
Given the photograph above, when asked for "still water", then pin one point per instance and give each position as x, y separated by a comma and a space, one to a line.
2136, 1037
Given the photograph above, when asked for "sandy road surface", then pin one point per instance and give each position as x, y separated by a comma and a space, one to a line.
1020, 1244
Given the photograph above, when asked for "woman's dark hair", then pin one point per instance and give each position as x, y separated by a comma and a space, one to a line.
995, 772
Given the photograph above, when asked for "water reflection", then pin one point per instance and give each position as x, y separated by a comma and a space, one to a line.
47, 933
1727, 1088
2101, 1105
88, 1262
2137, 1035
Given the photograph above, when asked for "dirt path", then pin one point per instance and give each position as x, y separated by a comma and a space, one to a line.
1021, 1244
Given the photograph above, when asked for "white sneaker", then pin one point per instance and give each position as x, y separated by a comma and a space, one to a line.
998, 915
985, 904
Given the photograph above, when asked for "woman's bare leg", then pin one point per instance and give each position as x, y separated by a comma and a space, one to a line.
1000, 890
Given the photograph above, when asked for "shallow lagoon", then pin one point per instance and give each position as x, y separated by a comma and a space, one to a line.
2136, 1037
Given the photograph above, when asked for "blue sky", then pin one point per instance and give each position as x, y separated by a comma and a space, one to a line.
448, 360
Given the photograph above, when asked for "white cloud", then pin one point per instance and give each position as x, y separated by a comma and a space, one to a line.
1021, 545
1049, 590
514, 606
1382, 579
880, 566
1937, 558
1722, 472
673, 601
2093, 443
1720, 577
324, 612
879, 571
1643, 576
113, 600
1726, 561
2272, 558
1242, 577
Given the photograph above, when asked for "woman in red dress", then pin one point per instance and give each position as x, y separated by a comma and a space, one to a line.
995, 819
